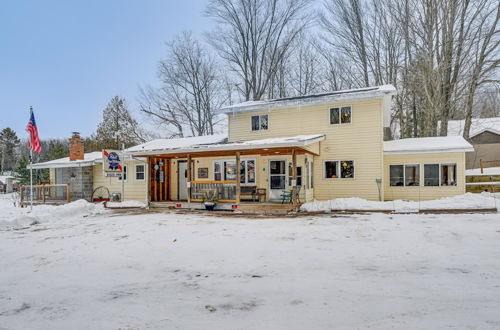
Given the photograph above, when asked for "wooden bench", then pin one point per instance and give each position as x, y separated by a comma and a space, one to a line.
248, 191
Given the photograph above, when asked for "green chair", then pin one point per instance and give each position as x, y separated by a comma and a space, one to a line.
286, 195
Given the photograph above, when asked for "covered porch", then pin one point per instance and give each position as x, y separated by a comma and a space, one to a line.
236, 175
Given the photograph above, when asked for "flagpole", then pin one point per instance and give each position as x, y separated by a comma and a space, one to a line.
31, 172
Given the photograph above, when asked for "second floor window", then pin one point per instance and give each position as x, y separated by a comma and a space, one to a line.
259, 122
340, 115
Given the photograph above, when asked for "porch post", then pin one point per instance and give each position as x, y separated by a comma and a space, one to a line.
238, 169
294, 177
189, 180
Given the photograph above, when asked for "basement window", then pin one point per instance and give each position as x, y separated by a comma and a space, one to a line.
260, 122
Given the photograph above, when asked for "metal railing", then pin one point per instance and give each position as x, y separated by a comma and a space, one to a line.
45, 194
225, 191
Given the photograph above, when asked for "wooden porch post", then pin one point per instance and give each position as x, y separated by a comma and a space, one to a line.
147, 173
189, 180
238, 169
294, 177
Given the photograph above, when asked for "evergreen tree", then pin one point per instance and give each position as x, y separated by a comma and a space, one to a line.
117, 127
22, 172
8, 144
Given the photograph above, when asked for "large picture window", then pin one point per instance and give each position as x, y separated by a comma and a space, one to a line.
343, 169
340, 115
226, 170
431, 175
260, 122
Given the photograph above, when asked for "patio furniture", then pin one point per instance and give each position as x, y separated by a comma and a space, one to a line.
260, 194
247, 191
286, 195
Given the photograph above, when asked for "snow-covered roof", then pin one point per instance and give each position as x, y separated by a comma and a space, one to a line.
486, 171
437, 144
3, 178
187, 142
90, 158
478, 126
338, 96
292, 141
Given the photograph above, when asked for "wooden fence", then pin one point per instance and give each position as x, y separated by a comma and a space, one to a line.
45, 194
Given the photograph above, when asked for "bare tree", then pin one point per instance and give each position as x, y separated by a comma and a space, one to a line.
254, 36
191, 90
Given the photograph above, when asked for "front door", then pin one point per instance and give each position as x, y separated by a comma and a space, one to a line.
277, 179
182, 179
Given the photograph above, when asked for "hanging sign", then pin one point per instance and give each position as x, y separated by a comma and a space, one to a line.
111, 163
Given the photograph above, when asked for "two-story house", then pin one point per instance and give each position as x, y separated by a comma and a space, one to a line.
317, 147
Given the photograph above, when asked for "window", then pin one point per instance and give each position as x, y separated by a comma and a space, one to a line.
347, 169
247, 171
431, 174
299, 175
340, 115
139, 172
226, 170
343, 169
448, 174
412, 175
259, 122
217, 170
396, 174
124, 174
331, 169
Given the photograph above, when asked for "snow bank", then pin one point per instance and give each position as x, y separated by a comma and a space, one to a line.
13, 217
125, 204
467, 201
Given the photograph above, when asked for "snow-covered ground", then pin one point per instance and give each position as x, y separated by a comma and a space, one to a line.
466, 201
104, 270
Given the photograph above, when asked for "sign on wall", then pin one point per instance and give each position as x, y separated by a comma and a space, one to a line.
111, 163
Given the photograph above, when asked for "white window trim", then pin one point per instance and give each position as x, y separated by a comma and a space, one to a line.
420, 176
260, 129
340, 113
144, 166
125, 169
338, 169
237, 176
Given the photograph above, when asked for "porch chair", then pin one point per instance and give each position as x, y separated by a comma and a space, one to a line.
286, 195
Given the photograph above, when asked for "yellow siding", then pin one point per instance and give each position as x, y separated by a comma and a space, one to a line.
134, 189
262, 171
360, 141
422, 192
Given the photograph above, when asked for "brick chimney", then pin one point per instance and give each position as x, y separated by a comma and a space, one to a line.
76, 150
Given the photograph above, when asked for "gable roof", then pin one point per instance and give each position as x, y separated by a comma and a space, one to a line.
478, 126
90, 158
323, 98
426, 145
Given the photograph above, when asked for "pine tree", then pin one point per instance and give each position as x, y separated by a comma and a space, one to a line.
22, 172
8, 144
117, 127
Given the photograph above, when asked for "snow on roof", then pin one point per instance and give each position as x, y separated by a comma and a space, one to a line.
486, 171
4, 178
478, 126
438, 144
162, 144
337, 96
292, 141
90, 159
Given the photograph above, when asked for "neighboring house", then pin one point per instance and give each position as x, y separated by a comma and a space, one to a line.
6, 184
485, 138
334, 142
84, 173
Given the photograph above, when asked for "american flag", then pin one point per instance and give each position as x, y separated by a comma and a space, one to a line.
33, 130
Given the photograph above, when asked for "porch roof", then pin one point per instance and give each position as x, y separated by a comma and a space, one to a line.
255, 146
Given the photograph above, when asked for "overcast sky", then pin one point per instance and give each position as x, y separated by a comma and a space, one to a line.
69, 58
